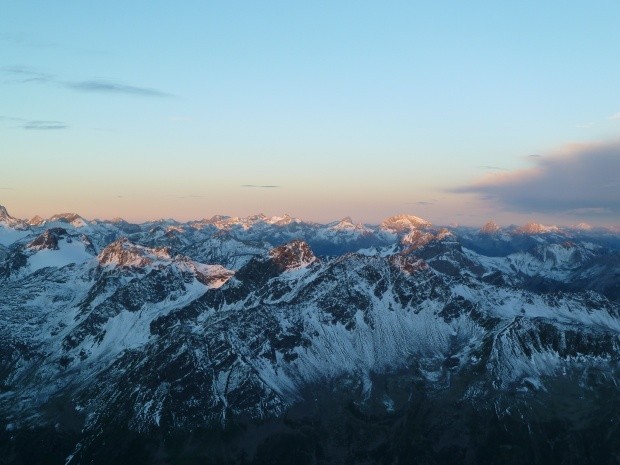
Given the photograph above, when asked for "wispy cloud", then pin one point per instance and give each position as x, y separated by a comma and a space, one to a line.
493, 168
44, 125
34, 124
583, 180
11, 118
258, 186
589, 211
109, 87
26, 75
615, 116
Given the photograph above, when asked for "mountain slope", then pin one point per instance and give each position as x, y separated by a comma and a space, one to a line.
432, 345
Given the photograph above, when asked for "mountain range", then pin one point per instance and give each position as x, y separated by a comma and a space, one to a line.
276, 340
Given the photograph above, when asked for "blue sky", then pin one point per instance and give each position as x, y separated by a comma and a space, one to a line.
170, 109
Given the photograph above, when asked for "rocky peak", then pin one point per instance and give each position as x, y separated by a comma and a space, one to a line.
216, 219
416, 238
404, 223
70, 218
537, 228
48, 239
8, 220
127, 254
295, 254
65, 217
36, 221
491, 227
212, 276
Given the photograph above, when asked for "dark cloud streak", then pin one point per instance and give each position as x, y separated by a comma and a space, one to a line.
35, 124
259, 186
109, 87
44, 125
25, 75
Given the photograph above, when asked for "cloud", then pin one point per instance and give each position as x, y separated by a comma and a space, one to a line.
35, 124
259, 186
44, 125
589, 211
109, 87
26, 75
493, 168
582, 180
11, 118
615, 116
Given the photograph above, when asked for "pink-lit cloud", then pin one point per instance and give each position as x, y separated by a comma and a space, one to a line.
579, 181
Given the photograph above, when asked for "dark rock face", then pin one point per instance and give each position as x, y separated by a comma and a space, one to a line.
427, 346
48, 240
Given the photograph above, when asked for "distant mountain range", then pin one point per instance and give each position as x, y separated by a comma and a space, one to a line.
275, 340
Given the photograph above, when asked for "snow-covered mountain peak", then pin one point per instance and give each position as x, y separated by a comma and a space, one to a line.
7, 220
225, 222
584, 227
127, 254
537, 228
72, 218
212, 276
416, 238
404, 223
282, 220
491, 227
55, 248
347, 224
36, 221
11, 229
295, 254
216, 219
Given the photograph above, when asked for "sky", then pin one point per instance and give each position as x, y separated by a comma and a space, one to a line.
457, 112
